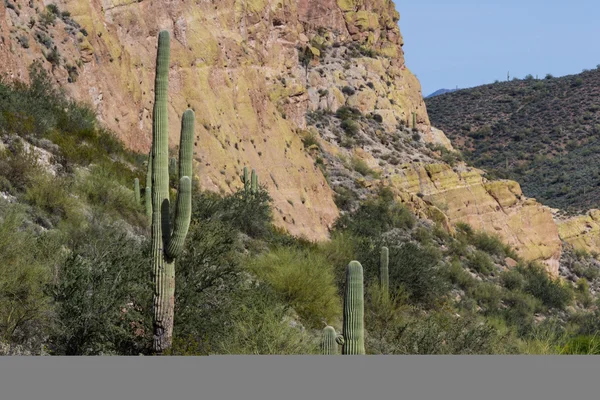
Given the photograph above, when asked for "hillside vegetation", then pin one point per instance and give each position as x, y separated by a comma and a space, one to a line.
543, 133
75, 271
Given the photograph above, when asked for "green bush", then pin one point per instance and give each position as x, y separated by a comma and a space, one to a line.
250, 214
551, 292
27, 260
376, 216
417, 270
261, 326
208, 282
103, 294
303, 279
587, 345
480, 262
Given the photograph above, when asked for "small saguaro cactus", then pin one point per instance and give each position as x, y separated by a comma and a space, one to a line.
136, 190
246, 180
384, 262
167, 238
254, 182
414, 120
354, 310
329, 341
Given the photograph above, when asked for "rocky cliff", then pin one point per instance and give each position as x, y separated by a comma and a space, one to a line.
262, 75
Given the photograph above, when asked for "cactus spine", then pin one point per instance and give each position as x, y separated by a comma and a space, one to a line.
354, 308
136, 190
254, 182
328, 342
167, 243
384, 262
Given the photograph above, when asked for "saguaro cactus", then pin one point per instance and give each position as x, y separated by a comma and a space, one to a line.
384, 262
329, 343
414, 120
246, 179
136, 190
354, 309
148, 190
167, 243
254, 182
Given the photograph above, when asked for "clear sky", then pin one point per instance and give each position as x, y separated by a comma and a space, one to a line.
466, 43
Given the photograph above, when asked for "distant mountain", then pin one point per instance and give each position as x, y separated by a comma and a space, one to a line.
441, 91
543, 133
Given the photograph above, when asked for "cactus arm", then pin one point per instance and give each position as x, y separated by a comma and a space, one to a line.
186, 144
183, 207
328, 343
354, 337
182, 219
384, 277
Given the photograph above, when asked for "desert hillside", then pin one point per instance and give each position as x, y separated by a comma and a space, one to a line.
315, 97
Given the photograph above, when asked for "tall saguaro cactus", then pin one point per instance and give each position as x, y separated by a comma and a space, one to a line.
354, 310
384, 276
167, 242
329, 341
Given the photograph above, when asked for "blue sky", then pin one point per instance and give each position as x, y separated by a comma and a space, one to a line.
466, 43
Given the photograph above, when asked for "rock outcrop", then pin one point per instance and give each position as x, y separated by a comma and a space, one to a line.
583, 231
497, 207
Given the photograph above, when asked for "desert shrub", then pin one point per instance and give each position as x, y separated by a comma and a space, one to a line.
100, 188
259, 325
27, 260
586, 345
303, 279
416, 269
551, 292
457, 275
376, 216
19, 167
103, 294
360, 166
250, 214
480, 262
345, 113
350, 127
512, 280
383, 317
208, 281
444, 333
53, 196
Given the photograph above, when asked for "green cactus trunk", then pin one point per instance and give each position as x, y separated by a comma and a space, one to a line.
328, 343
354, 309
167, 243
254, 182
384, 262
148, 190
246, 180
136, 191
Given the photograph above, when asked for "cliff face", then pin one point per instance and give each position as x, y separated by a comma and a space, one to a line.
253, 70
